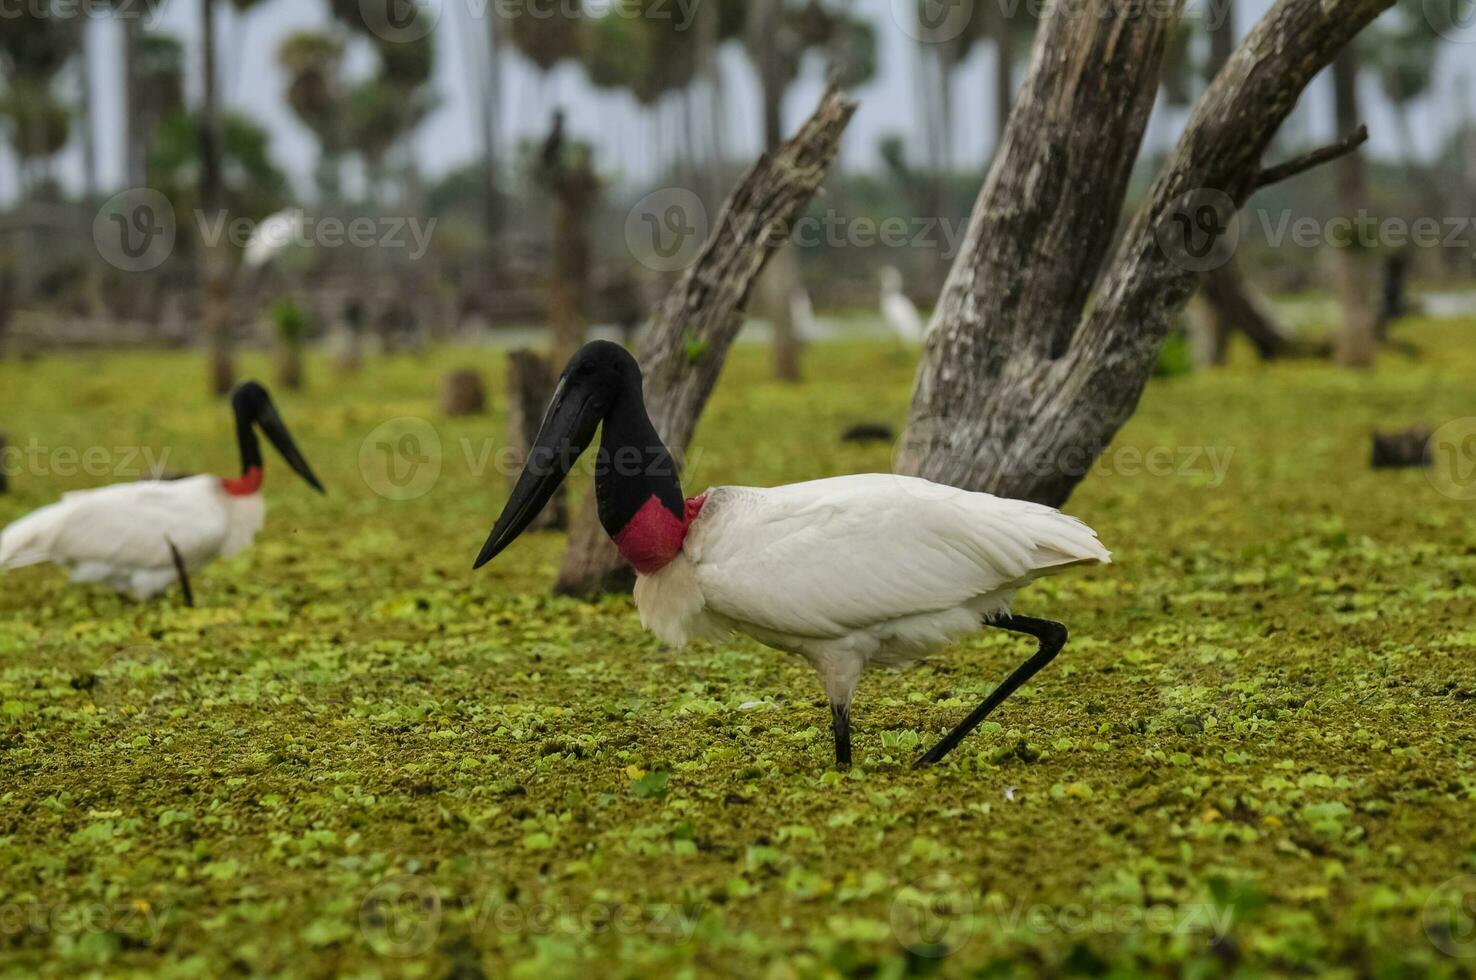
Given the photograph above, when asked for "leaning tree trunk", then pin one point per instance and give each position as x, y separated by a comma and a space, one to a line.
530, 386
216, 305
1356, 343
1023, 382
691, 331
1231, 305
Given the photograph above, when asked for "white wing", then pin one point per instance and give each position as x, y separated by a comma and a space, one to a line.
827, 558
127, 526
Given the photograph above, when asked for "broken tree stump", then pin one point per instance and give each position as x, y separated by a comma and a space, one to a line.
530, 386
463, 394
1401, 450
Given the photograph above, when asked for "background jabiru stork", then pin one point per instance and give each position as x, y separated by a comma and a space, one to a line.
850, 572
139, 538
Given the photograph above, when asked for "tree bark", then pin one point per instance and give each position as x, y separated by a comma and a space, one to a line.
1022, 385
1356, 343
1004, 70
530, 387
693, 328
216, 305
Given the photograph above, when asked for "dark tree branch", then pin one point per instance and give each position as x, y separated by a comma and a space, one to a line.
1314, 158
692, 329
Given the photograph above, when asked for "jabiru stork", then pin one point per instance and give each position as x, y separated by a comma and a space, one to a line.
850, 573
140, 538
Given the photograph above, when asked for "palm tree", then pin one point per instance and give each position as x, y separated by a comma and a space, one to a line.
35, 47
317, 96
215, 269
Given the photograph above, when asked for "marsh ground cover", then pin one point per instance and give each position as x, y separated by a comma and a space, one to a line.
1255, 756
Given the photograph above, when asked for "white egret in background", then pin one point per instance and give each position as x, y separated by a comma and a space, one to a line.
897, 310
140, 538
802, 315
272, 237
850, 573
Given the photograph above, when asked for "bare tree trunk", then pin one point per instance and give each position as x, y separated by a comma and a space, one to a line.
786, 344
696, 324
491, 112
1356, 343
216, 307
89, 113
1230, 306
571, 177
1004, 70
7, 300
1224, 291
530, 386
1023, 383
136, 143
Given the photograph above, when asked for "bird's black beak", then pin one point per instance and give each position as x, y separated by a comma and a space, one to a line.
568, 428
275, 429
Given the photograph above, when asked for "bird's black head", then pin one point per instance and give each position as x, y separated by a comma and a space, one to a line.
601, 383
253, 407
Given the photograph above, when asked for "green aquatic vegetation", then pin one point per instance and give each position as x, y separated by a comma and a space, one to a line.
356, 757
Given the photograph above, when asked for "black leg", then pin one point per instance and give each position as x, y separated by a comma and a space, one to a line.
1052, 637
184, 575
840, 721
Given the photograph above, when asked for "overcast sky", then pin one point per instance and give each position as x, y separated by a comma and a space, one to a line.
449, 139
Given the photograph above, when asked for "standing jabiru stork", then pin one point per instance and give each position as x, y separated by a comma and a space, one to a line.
139, 538
850, 572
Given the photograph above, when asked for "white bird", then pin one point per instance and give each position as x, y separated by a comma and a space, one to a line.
802, 315
140, 538
898, 311
272, 237
850, 573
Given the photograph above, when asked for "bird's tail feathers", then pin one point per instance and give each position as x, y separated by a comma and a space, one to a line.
1061, 541
28, 541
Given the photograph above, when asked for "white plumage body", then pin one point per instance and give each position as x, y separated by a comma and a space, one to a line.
120, 535
899, 312
856, 571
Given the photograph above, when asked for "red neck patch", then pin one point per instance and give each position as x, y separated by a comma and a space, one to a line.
244, 485
654, 535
